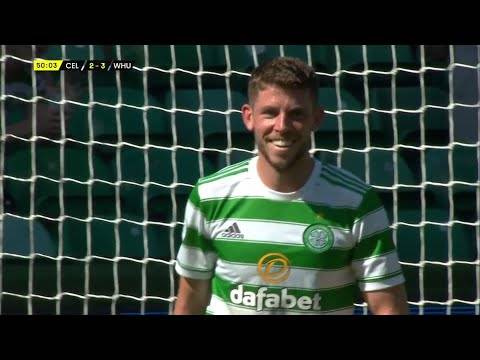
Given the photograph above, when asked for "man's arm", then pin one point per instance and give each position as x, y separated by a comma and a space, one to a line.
193, 296
389, 301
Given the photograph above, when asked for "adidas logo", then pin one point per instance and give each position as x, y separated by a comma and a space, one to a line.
233, 231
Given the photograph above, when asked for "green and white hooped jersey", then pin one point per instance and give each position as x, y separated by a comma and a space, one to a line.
286, 253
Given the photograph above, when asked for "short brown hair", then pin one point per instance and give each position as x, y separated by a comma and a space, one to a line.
285, 72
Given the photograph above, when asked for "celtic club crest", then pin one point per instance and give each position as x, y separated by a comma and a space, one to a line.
318, 238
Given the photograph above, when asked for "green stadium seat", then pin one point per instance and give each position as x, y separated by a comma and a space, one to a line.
408, 123
161, 207
268, 52
320, 55
161, 56
216, 130
77, 206
464, 161
465, 169
235, 157
159, 199
103, 205
328, 100
74, 230
161, 167
104, 242
75, 52
212, 99
380, 57
323, 58
436, 237
161, 172
214, 124
16, 237
161, 210
48, 164
214, 57
407, 198
186, 56
381, 167
104, 119
353, 124
407, 97
15, 111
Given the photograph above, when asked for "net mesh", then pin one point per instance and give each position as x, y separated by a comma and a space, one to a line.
92, 211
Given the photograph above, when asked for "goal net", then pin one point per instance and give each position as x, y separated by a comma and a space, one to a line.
96, 166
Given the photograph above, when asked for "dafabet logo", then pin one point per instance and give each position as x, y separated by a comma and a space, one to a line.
274, 268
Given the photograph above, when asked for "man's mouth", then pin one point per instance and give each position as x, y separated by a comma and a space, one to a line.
282, 143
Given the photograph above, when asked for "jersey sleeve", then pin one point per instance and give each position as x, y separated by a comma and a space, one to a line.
196, 258
375, 260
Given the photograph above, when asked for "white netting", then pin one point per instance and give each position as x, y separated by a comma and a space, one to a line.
92, 215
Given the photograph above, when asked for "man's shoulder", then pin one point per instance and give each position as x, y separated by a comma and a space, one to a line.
344, 179
225, 177
338, 171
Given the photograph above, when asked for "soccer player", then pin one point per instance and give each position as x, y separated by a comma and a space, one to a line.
283, 233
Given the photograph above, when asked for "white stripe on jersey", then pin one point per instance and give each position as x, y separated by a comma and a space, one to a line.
336, 195
196, 258
312, 279
276, 232
231, 186
370, 224
381, 284
192, 274
376, 266
248, 185
196, 220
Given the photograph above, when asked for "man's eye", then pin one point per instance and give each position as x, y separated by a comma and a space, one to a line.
297, 113
269, 114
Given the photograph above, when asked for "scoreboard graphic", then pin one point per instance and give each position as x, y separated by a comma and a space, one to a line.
81, 65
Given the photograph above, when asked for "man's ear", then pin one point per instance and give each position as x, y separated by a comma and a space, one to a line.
319, 117
247, 116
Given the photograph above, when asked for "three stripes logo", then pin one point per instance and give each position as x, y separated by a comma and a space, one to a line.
233, 231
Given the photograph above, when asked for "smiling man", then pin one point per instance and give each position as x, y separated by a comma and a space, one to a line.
283, 233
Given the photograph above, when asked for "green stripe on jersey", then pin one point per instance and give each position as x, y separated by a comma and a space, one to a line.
382, 277
300, 257
331, 299
375, 245
232, 167
370, 203
194, 197
195, 239
276, 210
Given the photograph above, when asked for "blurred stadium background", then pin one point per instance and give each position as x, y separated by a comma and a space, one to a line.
91, 218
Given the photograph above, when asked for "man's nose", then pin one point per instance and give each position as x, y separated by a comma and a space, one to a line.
281, 123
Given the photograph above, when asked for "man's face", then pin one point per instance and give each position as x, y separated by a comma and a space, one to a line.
282, 121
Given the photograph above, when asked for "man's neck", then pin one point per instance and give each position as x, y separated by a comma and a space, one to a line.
286, 181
